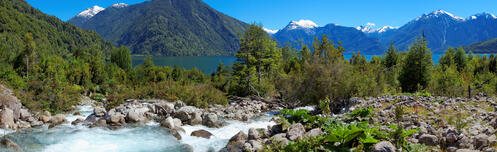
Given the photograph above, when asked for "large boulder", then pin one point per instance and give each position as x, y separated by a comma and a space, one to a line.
185, 113
313, 132
429, 140
480, 141
164, 108
296, 132
99, 111
25, 115
196, 118
58, 119
9, 145
175, 133
202, 133
101, 122
179, 104
115, 117
9, 100
238, 139
253, 134
132, 116
7, 118
168, 123
210, 120
383, 146
281, 139
256, 145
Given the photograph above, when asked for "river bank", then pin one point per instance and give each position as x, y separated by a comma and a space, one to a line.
245, 124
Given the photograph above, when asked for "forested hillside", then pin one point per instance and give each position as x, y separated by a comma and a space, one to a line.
169, 28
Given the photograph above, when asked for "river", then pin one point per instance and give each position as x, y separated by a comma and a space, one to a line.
149, 137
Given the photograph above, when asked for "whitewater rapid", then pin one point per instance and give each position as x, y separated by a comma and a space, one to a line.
148, 137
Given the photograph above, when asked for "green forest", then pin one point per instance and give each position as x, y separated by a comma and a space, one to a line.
51, 63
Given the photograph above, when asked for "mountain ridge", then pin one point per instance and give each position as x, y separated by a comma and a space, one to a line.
169, 28
442, 30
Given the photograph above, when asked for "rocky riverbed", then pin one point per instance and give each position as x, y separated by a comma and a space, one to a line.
137, 125
445, 124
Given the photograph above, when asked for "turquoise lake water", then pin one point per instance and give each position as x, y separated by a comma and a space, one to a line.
208, 64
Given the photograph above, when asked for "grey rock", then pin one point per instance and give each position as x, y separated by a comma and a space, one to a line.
313, 132
102, 122
168, 123
58, 119
296, 132
480, 141
210, 120
184, 113
429, 140
7, 118
256, 145
253, 134
383, 146
247, 147
238, 139
232, 148
179, 104
175, 133
25, 114
132, 116
99, 111
281, 138
196, 118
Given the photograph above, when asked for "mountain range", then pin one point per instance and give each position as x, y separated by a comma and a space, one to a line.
192, 28
441, 29
165, 28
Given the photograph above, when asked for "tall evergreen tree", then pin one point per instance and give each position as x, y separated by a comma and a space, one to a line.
416, 68
460, 59
257, 58
392, 57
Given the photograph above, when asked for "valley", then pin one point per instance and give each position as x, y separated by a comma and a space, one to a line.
179, 75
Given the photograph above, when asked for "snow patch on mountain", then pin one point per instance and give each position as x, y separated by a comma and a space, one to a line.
90, 12
484, 15
371, 28
305, 24
119, 5
439, 13
270, 32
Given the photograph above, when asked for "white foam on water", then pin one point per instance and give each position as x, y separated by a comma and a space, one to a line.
221, 136
84, 110
105, 140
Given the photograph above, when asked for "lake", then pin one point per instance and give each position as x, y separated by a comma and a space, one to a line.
208, 64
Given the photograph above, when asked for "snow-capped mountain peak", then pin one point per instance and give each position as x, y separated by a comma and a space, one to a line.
305, 24
368, 28
439, 13
484, 15
385, 28
90, 12
270, 32
371, 28
119, 5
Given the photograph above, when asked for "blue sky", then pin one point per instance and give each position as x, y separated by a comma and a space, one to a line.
275, 14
